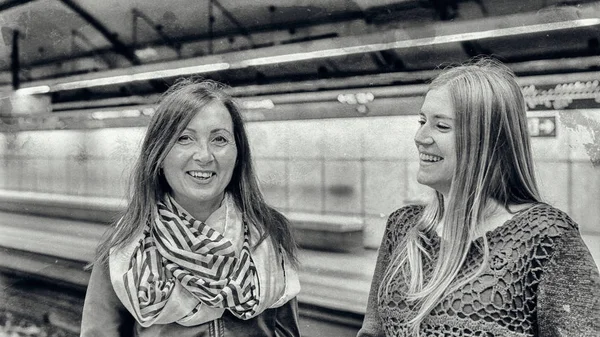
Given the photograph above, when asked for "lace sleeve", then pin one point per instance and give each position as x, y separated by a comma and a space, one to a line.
569, 291
395, 228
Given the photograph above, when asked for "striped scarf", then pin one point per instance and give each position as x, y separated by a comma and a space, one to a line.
183, 270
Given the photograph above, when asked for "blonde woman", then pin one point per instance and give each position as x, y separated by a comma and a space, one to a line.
486, 257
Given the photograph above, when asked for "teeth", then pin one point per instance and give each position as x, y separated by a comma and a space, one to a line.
198, 174
428, 157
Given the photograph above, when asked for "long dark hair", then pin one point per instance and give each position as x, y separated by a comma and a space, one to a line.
175, 110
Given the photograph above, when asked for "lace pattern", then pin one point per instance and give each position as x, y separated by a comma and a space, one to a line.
502, 300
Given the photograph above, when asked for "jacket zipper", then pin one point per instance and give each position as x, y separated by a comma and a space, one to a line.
216, 327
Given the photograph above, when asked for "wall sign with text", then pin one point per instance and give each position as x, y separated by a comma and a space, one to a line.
575, 95
542, 126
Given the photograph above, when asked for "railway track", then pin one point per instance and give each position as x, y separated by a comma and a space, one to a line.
37, 306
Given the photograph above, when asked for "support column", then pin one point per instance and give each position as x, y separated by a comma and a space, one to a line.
15, 66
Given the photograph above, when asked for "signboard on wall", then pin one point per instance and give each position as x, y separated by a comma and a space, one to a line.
563, 96
542, 126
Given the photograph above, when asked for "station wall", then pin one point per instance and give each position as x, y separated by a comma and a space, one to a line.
362, 167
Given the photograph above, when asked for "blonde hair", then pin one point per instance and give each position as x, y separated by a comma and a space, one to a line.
493, 163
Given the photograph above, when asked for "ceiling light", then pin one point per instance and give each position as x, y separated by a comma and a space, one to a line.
150, 75
411, 43
260, 104
146, 53
42, 89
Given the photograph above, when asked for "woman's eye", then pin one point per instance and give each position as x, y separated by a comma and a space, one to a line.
220, 140
443, 126
421, 121
184, 139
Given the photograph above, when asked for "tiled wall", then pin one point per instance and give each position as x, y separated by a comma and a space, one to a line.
360, 167
363, 167
367, 167
79, 162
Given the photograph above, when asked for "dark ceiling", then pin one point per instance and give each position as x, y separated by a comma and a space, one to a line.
49, 41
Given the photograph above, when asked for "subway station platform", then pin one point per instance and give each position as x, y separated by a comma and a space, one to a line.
37, 250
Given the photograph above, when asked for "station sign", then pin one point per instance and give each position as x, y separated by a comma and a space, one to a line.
541, 126
563, 96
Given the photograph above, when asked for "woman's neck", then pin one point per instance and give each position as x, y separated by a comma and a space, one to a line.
495, 215
202, 211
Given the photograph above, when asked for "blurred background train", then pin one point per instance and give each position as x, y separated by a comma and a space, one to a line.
332, 139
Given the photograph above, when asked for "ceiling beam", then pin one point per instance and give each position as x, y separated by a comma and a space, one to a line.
118, 45
233, 20
332, 19
569, 70
437, 34
15, 68
75, 33
13, 3
137, 13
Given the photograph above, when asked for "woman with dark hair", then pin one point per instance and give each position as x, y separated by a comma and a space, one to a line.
197, 251
486, 257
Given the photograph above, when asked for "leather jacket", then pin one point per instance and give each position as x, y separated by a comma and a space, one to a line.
105, 316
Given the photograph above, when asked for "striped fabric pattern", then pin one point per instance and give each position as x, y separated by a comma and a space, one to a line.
179, 248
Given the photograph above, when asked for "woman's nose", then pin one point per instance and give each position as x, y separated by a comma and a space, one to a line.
423, 136
203, 154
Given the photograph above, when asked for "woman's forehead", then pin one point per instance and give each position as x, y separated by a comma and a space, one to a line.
214, 115
438, 103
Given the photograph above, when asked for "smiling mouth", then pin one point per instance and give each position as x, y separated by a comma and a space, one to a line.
429, 158
202, 175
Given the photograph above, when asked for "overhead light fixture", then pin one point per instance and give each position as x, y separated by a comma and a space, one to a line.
42, 89
420, 42
146, 53
110, 114
150, 75
143, 76
356, 98
401, 43
258, 104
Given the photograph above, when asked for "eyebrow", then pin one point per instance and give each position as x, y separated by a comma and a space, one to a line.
211, 131
438, 116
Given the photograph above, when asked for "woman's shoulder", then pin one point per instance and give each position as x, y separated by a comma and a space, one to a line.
404, 218
547, 219
548, 216
406, 212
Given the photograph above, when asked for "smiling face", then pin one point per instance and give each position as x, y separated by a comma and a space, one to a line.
435, 141
200, 164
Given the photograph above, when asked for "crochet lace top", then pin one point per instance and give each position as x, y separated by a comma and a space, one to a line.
540, 280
